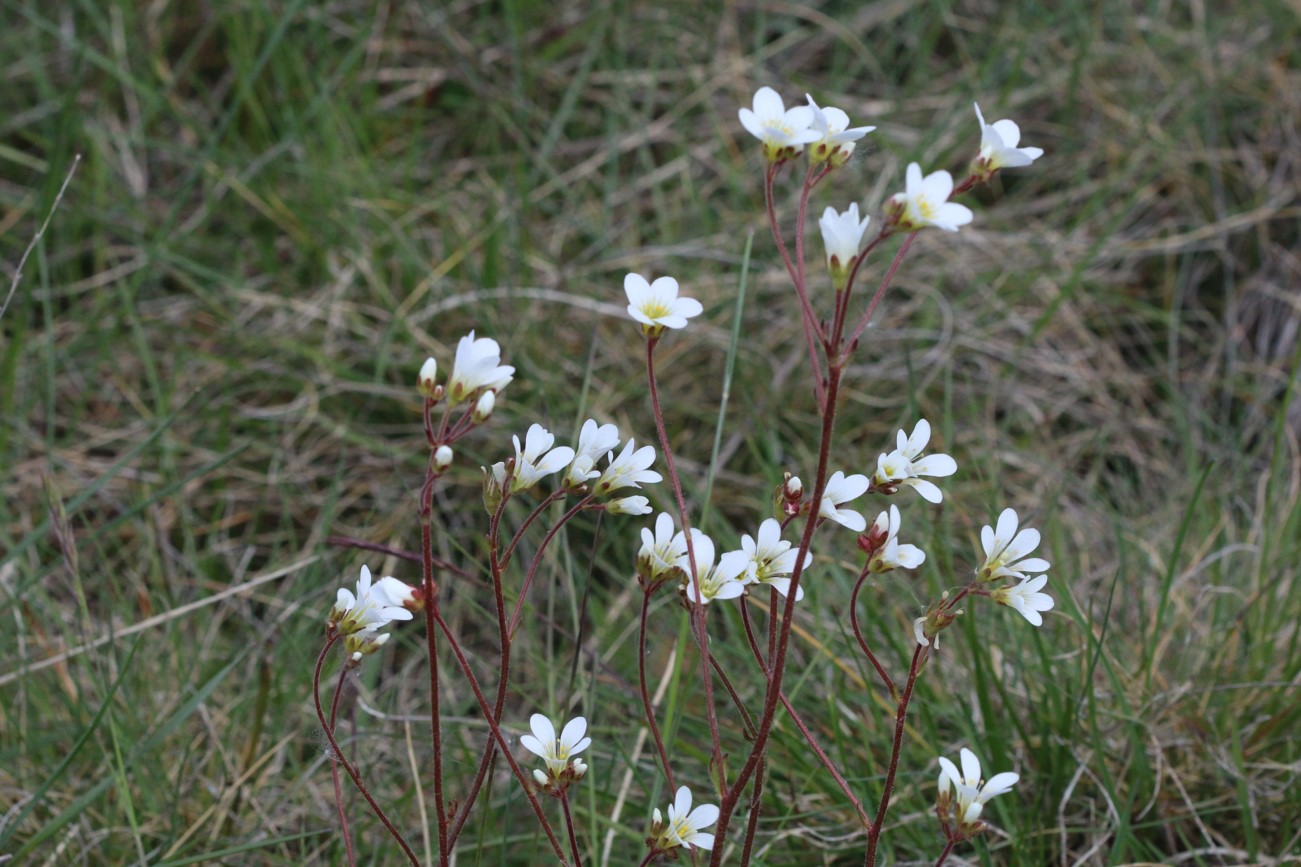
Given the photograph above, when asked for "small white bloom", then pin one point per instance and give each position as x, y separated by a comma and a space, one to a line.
443, 457
427, 380
556, 751
1006, 550
537, 460
483, 409
628, 470
784, 132
662, 550
477, 365
843, 236
925, 202
657, 305
596, 440
919, 632
685, 825
361, 644
716, 581
772, 559
373, 606
998, 145
840, 490
1026, 599
835, 142
629, 506
972, 793
903, 466
890, 554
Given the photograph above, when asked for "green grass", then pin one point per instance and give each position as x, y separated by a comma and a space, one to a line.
283, 207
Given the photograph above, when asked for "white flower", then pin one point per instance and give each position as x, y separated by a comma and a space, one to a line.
483, 409
925, 202
903, 466
919, 632
972, 793
595, 440
843, 235
771, 559
427, 380
784, 132
889, 553
629, 506
842, 489
716, 581
684, 825
477, 365
373, 606
628, 469
556, 751
443, 456
1006, 550
998, 146
537, 459
662, 550
657, 305
834, 142
1026, 599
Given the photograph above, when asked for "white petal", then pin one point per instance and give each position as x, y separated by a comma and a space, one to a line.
998, 784
637, 289
768, 103
1008, 131
1007, 524
970, 767
543, 730
573, 732
930, 492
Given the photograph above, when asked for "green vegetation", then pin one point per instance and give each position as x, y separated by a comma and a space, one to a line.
207, 370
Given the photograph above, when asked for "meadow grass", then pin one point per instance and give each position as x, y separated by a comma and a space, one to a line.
207, 370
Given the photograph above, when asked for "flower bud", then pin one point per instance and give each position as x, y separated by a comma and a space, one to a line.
493, 481
443, 458
629, 506
426, 382
362, 644
483, 409
540, 778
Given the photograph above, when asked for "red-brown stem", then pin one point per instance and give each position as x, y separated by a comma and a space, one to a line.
400, 553
948, 848
645, 692
528, 522
858, 634
649, 855
736, 699
698, 608
569, 826
337, 753
752, 824
901, 715
876, 299
807, 732
772, 697
431, 643
812, 330
501, 739
334, 772
537, 560
800, 214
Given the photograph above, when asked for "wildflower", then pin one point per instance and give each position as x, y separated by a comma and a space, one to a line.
1026, 599
925, 202
629, 506
483, 409
684, 827
657, 305
784, 132
443, 457
713, 581
477, 366
1006, 550
662, 550
537, 460
373, 605
840, 490
596, 440
556, 751
888, 554
843, 235
772, 559
427, 379
361, 644
629, 469
998, 147
969, 790
903, 466
835, 142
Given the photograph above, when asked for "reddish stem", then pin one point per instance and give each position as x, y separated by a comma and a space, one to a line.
948, 848
812, 329
347, 766
645, 692
901, 715
334, 772
431, 643
858, 634
876, 299
569, 826
537, 561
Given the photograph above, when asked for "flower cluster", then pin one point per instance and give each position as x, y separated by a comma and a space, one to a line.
684, 827
359, 616
905, 466
1007, 557
962, 796
785, 132
557, 752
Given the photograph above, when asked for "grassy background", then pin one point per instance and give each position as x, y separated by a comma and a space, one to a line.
283, 207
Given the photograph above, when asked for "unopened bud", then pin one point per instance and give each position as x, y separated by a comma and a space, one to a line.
443, 458
493, 480
540, 778
362, 644
629, 506
794, 488
483, 409
426, 382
